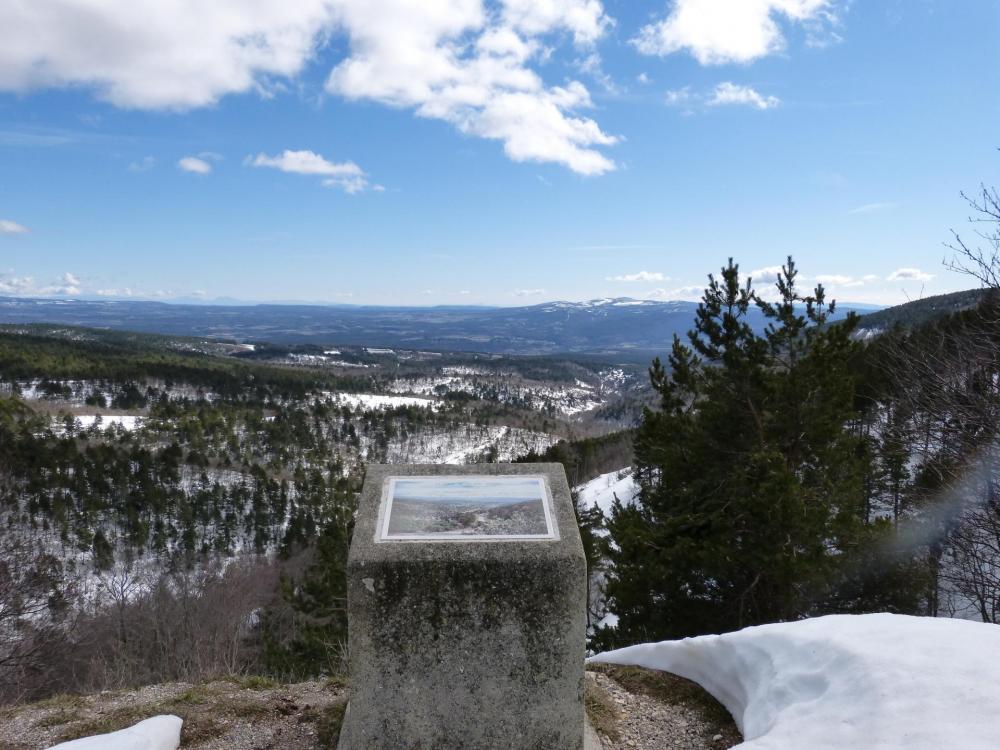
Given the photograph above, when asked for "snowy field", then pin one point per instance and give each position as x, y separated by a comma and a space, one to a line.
127, 422
507, 388
377, 401
846, 681
465, 444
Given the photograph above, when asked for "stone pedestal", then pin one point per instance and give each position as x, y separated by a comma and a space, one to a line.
467, 618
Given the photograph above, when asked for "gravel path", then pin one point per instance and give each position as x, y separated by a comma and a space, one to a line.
656, 712
631, 709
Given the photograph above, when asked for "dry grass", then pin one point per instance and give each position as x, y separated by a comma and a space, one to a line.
210, 710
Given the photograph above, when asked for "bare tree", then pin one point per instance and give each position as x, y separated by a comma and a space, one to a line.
981, 261
34, 612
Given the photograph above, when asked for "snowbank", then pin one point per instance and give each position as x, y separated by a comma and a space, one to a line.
843, 681
158, 733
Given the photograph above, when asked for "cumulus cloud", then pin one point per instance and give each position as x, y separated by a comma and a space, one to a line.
150, 54
640, 276
467, 62
909, 274
767, 275
689, 293
195, 165
12, 227
456, 62
730, 93
27, 286
584, 19
345, 175
716, 32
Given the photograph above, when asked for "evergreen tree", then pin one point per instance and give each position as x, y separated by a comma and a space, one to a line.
750, 476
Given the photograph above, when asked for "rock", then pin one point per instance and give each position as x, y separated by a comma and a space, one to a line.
466, 644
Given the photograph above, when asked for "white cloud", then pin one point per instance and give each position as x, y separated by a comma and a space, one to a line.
151, 54
123, 292
643, 79
194, 165
640, 276
345, 175
835, 279
12, 227
767, 275
528, 292
456, 62
679, 97
909, 274
841, 280
869, 208
65, 285
731, 93
731, 31
467, 62
689, 293
584, 19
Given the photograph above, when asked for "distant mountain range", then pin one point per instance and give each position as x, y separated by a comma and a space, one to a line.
619, 326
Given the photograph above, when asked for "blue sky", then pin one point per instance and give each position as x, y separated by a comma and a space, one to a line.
470, 152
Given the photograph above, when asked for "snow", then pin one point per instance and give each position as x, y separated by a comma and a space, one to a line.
158, 733
378, 401
125, 421
873, 681
601, 491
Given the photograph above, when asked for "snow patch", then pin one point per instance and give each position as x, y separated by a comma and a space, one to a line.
873, 681
158, 733
601, 491
368, 401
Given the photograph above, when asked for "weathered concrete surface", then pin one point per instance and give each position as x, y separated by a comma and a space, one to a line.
472, 644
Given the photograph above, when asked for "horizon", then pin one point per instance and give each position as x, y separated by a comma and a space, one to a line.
236, 302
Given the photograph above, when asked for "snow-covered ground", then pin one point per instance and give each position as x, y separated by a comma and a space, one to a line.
507, 388
127, 422
377, 401
466, 444
846, 681
602, 491
157, 733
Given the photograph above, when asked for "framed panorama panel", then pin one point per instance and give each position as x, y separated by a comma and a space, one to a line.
466, 508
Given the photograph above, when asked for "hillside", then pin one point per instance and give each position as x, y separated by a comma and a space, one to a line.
920, 311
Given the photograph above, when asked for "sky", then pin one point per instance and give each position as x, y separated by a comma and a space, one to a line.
501, 152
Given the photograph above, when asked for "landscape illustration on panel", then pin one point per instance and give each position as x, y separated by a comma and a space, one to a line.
466, 507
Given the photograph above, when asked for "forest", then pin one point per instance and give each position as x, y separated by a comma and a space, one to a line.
174, 508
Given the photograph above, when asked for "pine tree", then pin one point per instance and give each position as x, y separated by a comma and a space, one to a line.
751, 480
